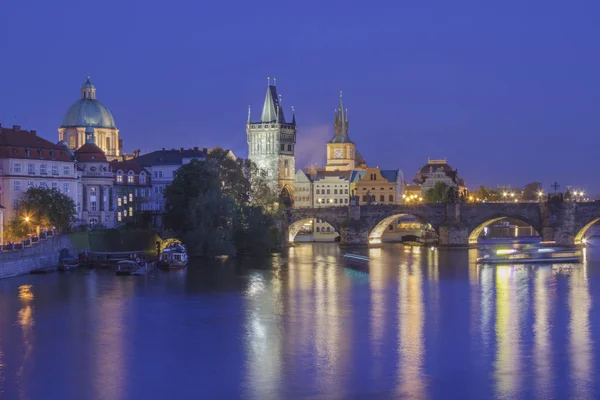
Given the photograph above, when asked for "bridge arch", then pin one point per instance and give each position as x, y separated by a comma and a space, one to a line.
580, 235
295, 227
376, 233
478, 229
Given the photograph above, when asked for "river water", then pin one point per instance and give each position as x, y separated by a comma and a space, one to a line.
417, 323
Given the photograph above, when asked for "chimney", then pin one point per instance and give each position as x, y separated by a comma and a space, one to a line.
16, 128
33, 132
181, 150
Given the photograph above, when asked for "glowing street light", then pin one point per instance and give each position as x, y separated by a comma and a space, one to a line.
27, 219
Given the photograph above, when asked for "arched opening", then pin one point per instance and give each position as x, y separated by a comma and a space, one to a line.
286, 197
504, 228
312, 230
582, 235
403, 228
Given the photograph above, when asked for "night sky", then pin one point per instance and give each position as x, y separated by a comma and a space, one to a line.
508, 91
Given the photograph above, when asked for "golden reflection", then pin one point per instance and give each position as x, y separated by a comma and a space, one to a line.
507, 364
26, 321
542, 351
410, 341
487, 304
580, 346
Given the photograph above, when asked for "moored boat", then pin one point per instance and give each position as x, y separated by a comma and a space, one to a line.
173, 257
68, 263
531, 255
126, 267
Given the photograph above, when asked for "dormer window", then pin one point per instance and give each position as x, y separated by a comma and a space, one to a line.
130, 177
28, 151
119, 176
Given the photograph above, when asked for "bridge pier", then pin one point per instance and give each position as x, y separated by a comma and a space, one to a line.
354, 233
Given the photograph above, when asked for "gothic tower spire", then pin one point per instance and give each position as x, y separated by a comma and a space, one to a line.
272, 111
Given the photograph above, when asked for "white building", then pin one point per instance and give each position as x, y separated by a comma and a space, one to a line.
304, 190
27, 160
330, 189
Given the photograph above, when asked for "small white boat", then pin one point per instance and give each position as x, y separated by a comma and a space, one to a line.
531, 255
173, 257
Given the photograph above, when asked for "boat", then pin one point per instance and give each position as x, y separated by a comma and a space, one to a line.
356, 257
530, 255
173, 256
126, 267
68, 263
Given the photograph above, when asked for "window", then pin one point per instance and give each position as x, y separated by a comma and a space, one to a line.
118, 202
391, 198
125, 199
16, 204
55, 170
66, 187
17, 186
158, 174
131, 211
31, 169
67, 170
107, 143
318, 229
119, 176
155, 189
43, 169
289, 147
345, 191
72, 142
44, 185
373, 198
334, 191
55, 185
317, 191
283, 147
130, 177
382, 198
119, 216
130, 196
328, 229
143, 178
346, 201
364, 198
335, 201
17, 168
327, 191
29, 184
93, 200
125, 212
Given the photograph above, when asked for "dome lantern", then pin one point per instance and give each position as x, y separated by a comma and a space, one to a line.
88, 90
89, 134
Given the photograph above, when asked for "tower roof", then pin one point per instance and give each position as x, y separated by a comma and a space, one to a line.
272, 111
340, 124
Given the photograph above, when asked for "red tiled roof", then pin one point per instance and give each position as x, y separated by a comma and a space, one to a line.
90, 152
15, 142
128, 166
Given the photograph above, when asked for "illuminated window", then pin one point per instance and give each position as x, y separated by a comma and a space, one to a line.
130, 177
119, 216
118, 202
72, 142
125, 199
130, 196
131, 211
119, 176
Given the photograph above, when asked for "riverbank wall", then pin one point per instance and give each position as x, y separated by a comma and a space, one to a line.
40, 255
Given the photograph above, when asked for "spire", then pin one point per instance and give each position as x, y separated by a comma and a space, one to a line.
293, 116
340, 124
249, 114
272, 112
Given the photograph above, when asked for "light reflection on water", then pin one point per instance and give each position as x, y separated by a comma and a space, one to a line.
413, 323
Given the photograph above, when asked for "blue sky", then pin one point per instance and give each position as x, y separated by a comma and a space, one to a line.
508, 92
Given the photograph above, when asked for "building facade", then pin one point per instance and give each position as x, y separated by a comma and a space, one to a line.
96, 182
436, 171
341, 151
376, 186
133, 192
272, 142
88, 111
27, 160
304, 190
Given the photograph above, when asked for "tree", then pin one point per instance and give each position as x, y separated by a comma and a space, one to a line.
437, 193
568, 196
487, 194
47, 208
531, 190
221, 206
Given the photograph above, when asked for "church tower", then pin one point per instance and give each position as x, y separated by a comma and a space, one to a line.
271, 143
341, 151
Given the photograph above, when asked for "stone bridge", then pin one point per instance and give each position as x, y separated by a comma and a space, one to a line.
456, 224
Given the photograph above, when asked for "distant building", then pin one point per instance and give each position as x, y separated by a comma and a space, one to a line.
378, 186
303, 190
438, 171
271, 144
330, 189
341, 151
133, 191
27, 160
88, 111
96, 180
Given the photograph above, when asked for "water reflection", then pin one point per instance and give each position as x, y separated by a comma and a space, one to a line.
580, 347
411, 321
542, 352
26, 322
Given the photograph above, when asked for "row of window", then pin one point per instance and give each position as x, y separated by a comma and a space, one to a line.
381, 198
376, 188
31, 170
124, 214
130, 177
18, 186
289, 147
335, 191
333, 201
325, 229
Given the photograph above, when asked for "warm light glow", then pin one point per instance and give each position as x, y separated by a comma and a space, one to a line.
540, 193
512, 195
505, 251
27, 219
504, 194
584, 240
